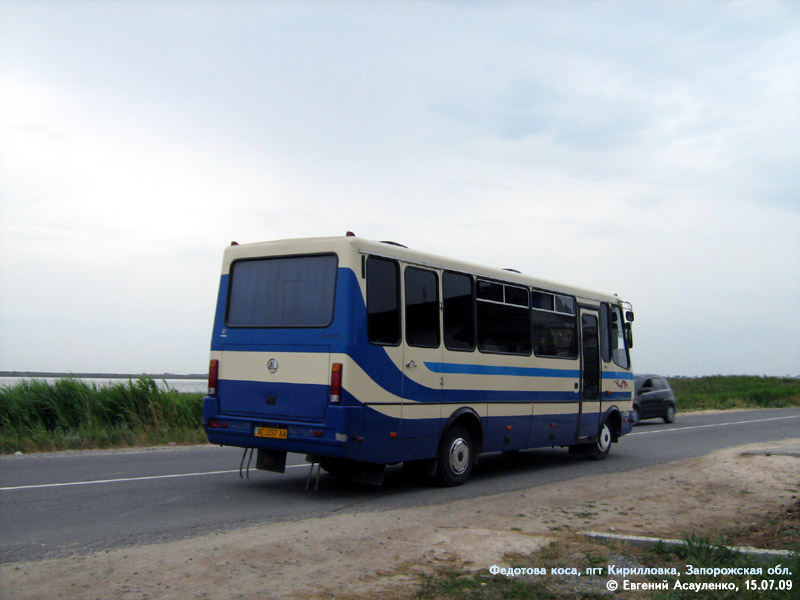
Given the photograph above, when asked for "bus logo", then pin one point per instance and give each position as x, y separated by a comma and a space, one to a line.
272, 365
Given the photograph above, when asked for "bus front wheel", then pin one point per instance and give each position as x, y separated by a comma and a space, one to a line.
599, 450
456, 457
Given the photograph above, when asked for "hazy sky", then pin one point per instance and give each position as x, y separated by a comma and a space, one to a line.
651, 149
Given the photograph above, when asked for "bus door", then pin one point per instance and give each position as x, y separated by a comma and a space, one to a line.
422, 387
590, 375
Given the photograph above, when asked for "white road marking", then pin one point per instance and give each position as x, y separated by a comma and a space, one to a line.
671, 429
124, 479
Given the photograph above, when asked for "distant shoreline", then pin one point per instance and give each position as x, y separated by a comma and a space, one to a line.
27, 374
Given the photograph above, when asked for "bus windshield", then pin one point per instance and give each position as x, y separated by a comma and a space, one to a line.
296, 291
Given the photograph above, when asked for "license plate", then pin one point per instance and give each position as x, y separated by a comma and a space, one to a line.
279, 433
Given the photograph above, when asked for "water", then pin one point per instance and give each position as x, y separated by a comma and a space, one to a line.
195, 386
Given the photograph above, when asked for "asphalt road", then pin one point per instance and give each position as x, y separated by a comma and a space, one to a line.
56, 505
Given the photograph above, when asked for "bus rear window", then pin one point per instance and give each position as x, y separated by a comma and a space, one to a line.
295, 291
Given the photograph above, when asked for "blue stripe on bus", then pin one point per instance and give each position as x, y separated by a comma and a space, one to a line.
609, 396
505, 396
617, 375
462, 369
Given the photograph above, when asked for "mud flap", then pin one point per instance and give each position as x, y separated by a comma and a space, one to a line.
369, 473
423, 468
579, 449
350, 470
271, 460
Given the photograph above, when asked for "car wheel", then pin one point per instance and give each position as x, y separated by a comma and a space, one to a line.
455, 457
669, 415
600, 449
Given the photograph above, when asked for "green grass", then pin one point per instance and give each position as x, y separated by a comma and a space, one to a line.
701, 552
462, 585
68, 414
738, 391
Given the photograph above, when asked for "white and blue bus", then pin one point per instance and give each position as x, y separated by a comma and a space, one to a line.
363, 354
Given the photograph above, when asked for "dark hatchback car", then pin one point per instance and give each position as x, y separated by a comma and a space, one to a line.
653, 399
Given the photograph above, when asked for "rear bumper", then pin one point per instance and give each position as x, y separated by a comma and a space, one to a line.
333, 437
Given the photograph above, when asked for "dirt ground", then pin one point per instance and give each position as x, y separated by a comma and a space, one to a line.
365, 555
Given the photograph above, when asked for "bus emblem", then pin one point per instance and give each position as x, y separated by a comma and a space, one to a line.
272, 365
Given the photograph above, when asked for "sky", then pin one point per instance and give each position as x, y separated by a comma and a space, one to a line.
649, 149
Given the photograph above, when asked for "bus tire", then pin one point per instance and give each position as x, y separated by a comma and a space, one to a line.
456, 457
600, 449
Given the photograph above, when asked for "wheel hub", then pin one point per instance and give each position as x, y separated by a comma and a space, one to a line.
459, 456
604, 441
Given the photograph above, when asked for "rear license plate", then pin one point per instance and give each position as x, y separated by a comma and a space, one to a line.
280, 433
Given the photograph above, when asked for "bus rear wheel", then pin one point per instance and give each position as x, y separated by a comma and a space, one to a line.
456, 457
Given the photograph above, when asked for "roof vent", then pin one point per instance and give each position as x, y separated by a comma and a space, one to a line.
512, 270
393, 243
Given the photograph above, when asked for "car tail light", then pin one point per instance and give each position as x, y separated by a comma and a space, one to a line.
336, 382
213, 376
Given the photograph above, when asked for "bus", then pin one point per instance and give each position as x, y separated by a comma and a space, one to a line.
363, 354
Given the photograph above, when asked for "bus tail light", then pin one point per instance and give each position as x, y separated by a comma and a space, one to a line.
336, 382
213, 376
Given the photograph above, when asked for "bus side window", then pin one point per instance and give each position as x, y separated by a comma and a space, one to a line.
618, 350
555, 328
459, 312
422, 308
605, 333
503, 321
383, 301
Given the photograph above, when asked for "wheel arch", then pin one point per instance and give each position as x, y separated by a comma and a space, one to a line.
468, 419
613, 417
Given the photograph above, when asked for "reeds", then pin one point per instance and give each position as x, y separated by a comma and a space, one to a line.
72, 414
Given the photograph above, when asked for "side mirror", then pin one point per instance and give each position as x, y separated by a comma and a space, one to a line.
629, 316
628, 335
